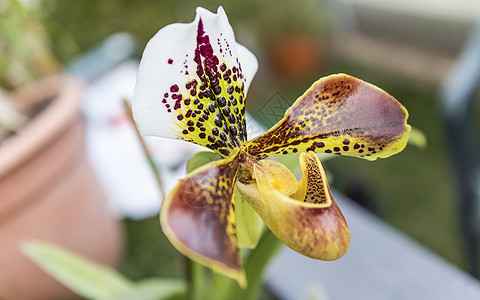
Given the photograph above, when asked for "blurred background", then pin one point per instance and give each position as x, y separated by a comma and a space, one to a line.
407, 48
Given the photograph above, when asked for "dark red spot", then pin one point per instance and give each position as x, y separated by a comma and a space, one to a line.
177, 96
174, 89
177, 104
345, 148
179, 117
204, 49
170, 61
185, 131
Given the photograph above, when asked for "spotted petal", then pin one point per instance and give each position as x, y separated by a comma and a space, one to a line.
306, 218
198, 217
192, 82
339, 114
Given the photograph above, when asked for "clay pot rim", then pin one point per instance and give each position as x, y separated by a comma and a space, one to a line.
47, 125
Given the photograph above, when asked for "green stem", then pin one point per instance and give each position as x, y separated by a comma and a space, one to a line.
155, 170
258, 260
196, 280
255, 265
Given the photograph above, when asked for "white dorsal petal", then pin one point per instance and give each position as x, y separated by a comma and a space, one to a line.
192, 82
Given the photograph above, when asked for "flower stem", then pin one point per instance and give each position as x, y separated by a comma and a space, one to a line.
258, 260
255, 265
195, 275
129, 113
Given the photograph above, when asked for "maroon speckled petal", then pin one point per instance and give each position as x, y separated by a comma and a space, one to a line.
339, 114
198, 217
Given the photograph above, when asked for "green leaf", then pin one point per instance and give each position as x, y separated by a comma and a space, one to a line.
417, 138
154, 289
249, 224
82, 276
201, 158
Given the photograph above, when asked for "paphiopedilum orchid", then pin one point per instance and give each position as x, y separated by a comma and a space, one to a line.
191, 85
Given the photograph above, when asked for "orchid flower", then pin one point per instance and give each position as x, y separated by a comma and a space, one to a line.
191, 85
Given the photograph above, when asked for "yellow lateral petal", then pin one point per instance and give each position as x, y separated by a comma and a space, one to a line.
338, 114
199, 220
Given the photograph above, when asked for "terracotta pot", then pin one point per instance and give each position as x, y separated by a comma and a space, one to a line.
48, 192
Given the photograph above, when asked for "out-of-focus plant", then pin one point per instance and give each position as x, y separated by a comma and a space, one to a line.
98, 282
25, 50
25, 56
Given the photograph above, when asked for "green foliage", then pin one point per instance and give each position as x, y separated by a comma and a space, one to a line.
154, 289
418, 138
94, 281
148, 253
25, 53
201, 158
